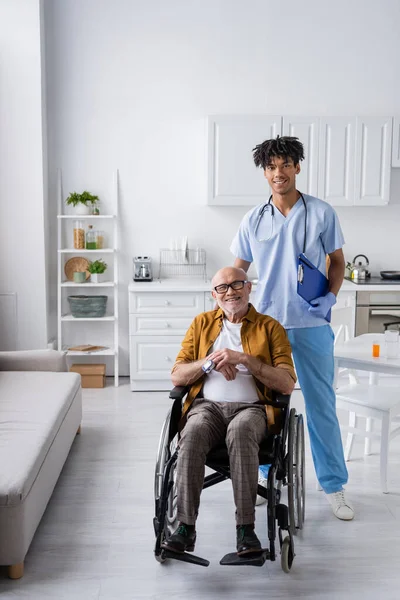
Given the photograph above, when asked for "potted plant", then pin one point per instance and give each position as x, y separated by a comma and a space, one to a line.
96, 270
82, 202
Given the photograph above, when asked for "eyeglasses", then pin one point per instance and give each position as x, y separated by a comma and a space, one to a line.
224, 287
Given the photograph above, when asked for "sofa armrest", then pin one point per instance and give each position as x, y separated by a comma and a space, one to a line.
33, 360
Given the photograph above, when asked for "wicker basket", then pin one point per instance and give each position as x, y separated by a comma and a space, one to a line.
88, 306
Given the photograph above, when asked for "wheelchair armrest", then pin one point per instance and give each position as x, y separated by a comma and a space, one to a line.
280, 400
179, 392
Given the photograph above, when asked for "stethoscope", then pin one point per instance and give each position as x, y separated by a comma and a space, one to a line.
269, 206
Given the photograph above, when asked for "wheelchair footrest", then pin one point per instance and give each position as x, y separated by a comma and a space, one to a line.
255, 559
186, 557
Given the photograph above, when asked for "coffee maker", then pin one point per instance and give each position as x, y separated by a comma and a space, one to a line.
142, 270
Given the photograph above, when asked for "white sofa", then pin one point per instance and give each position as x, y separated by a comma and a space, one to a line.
40, 415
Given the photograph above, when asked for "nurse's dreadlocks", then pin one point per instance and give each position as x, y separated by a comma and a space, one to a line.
284, 147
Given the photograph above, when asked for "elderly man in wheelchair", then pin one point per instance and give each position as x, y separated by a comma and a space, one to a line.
233, 358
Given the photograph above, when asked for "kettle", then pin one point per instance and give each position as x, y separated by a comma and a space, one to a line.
359, 270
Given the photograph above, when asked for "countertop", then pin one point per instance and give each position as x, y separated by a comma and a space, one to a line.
199, 285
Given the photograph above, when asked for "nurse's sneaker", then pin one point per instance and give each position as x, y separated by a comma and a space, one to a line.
341, 508
264, 482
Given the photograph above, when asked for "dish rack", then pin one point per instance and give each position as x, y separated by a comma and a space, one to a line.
182, 263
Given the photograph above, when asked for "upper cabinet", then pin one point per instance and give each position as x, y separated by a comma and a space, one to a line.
306, 129
336, 160
233, 178
347, 159
373, 160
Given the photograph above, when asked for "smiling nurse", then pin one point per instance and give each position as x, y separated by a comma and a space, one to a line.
272, 235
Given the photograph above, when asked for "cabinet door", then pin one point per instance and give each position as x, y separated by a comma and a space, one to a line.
396, 143
306, 129
336, 160
233, 178
373, 160
151, 361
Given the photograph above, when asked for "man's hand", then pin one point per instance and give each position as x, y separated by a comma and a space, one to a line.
229, 372
322, 305
226, 357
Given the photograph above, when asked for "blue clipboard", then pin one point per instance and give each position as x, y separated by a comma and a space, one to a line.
311, 283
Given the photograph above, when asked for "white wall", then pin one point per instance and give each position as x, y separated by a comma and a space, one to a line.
22, 188
131, 82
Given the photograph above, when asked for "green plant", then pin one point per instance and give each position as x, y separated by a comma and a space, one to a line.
97, 266
84, 198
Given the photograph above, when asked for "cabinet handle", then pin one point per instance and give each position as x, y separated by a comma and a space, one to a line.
167, 358
167, 324
167, 303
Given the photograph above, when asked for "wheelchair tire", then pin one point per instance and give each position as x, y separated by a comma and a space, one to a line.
301, 473
296, 472
164, 453
287, 555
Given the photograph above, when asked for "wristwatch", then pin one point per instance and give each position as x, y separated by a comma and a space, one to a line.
208, 366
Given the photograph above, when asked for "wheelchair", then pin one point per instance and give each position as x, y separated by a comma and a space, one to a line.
284, 452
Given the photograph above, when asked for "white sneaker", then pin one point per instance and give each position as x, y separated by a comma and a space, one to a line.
264, 482
340, 507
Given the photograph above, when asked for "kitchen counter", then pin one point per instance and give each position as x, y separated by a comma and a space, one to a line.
169, 285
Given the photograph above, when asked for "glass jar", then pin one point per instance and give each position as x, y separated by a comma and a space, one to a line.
99, 239
91, 238
79, 235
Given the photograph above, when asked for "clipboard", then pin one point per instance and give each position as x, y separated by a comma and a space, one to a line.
311, 283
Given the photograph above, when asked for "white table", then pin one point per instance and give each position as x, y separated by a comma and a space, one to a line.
356, 354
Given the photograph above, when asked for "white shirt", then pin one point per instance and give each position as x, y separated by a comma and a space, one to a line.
241, 389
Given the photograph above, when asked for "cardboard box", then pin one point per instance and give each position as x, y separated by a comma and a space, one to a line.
92, 376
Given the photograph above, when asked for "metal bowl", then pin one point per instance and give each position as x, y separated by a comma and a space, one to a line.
395, 275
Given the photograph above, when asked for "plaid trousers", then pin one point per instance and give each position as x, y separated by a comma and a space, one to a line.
243, 427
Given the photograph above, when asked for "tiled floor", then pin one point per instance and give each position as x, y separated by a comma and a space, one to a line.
96, 538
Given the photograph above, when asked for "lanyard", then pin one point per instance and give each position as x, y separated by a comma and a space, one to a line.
269, 206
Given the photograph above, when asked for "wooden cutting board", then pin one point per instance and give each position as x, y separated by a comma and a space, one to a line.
86, 348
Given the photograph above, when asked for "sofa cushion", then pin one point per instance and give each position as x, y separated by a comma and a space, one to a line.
32, 408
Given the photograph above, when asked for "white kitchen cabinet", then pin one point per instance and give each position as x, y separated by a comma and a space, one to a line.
373, 160
336, 160
307, 130
396, 142
348, 159
233, 178
158, 321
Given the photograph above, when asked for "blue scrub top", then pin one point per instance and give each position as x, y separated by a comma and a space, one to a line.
275, 248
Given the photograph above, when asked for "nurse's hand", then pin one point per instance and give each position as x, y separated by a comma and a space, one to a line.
322, 305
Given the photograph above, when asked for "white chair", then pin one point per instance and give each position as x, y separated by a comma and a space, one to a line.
374, 402
369, 400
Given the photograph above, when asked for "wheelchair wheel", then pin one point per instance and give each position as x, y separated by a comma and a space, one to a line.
296, 472
165, 451
287, 555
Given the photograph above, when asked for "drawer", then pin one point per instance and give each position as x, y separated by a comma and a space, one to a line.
152, 357
158, 325
179, 303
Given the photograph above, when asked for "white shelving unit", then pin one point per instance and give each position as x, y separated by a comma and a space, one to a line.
64, 320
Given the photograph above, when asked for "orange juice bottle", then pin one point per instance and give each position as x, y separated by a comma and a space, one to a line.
376, 349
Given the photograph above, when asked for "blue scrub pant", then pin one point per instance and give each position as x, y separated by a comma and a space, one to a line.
312, 349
